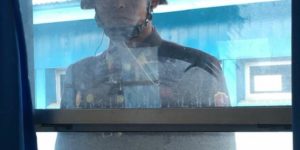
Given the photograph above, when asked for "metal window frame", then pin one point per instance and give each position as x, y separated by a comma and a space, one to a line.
164, 120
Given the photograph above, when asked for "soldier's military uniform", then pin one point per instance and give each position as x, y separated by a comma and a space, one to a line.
154, 74
176, 76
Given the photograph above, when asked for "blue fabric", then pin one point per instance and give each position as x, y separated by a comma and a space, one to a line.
296, 75
16, 126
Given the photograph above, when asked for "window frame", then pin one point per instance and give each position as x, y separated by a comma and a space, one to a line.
244, 81
128, 120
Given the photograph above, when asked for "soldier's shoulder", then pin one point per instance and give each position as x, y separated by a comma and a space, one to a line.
86, 64
174, 50
82, 64
81, 74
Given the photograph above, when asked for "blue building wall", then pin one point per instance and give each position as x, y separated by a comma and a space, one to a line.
229, 33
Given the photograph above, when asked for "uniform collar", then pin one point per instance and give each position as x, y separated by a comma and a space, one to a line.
152, 40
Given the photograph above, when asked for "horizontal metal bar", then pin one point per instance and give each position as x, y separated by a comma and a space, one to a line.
202, 119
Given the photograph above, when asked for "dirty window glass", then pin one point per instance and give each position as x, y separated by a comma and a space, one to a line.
139, 54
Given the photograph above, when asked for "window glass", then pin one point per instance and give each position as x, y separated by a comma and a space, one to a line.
139, 54
168, 141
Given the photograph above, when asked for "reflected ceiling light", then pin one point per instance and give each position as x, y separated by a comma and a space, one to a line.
41, 2
76, 13
176, 5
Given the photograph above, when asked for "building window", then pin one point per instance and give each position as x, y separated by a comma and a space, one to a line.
59, 80
54, 84
266, 81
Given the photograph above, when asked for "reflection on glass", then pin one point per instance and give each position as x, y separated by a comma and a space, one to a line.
169, 141
196, 55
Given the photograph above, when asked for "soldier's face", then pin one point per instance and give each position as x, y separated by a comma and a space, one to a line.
121, 13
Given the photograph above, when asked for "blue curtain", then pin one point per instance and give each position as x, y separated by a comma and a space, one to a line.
296, 73
16, 126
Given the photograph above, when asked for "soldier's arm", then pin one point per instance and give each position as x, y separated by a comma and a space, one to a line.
221, 96
212, 89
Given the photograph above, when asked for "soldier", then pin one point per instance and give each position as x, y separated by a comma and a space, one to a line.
139, 69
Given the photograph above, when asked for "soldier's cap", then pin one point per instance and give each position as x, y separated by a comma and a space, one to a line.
90, 4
